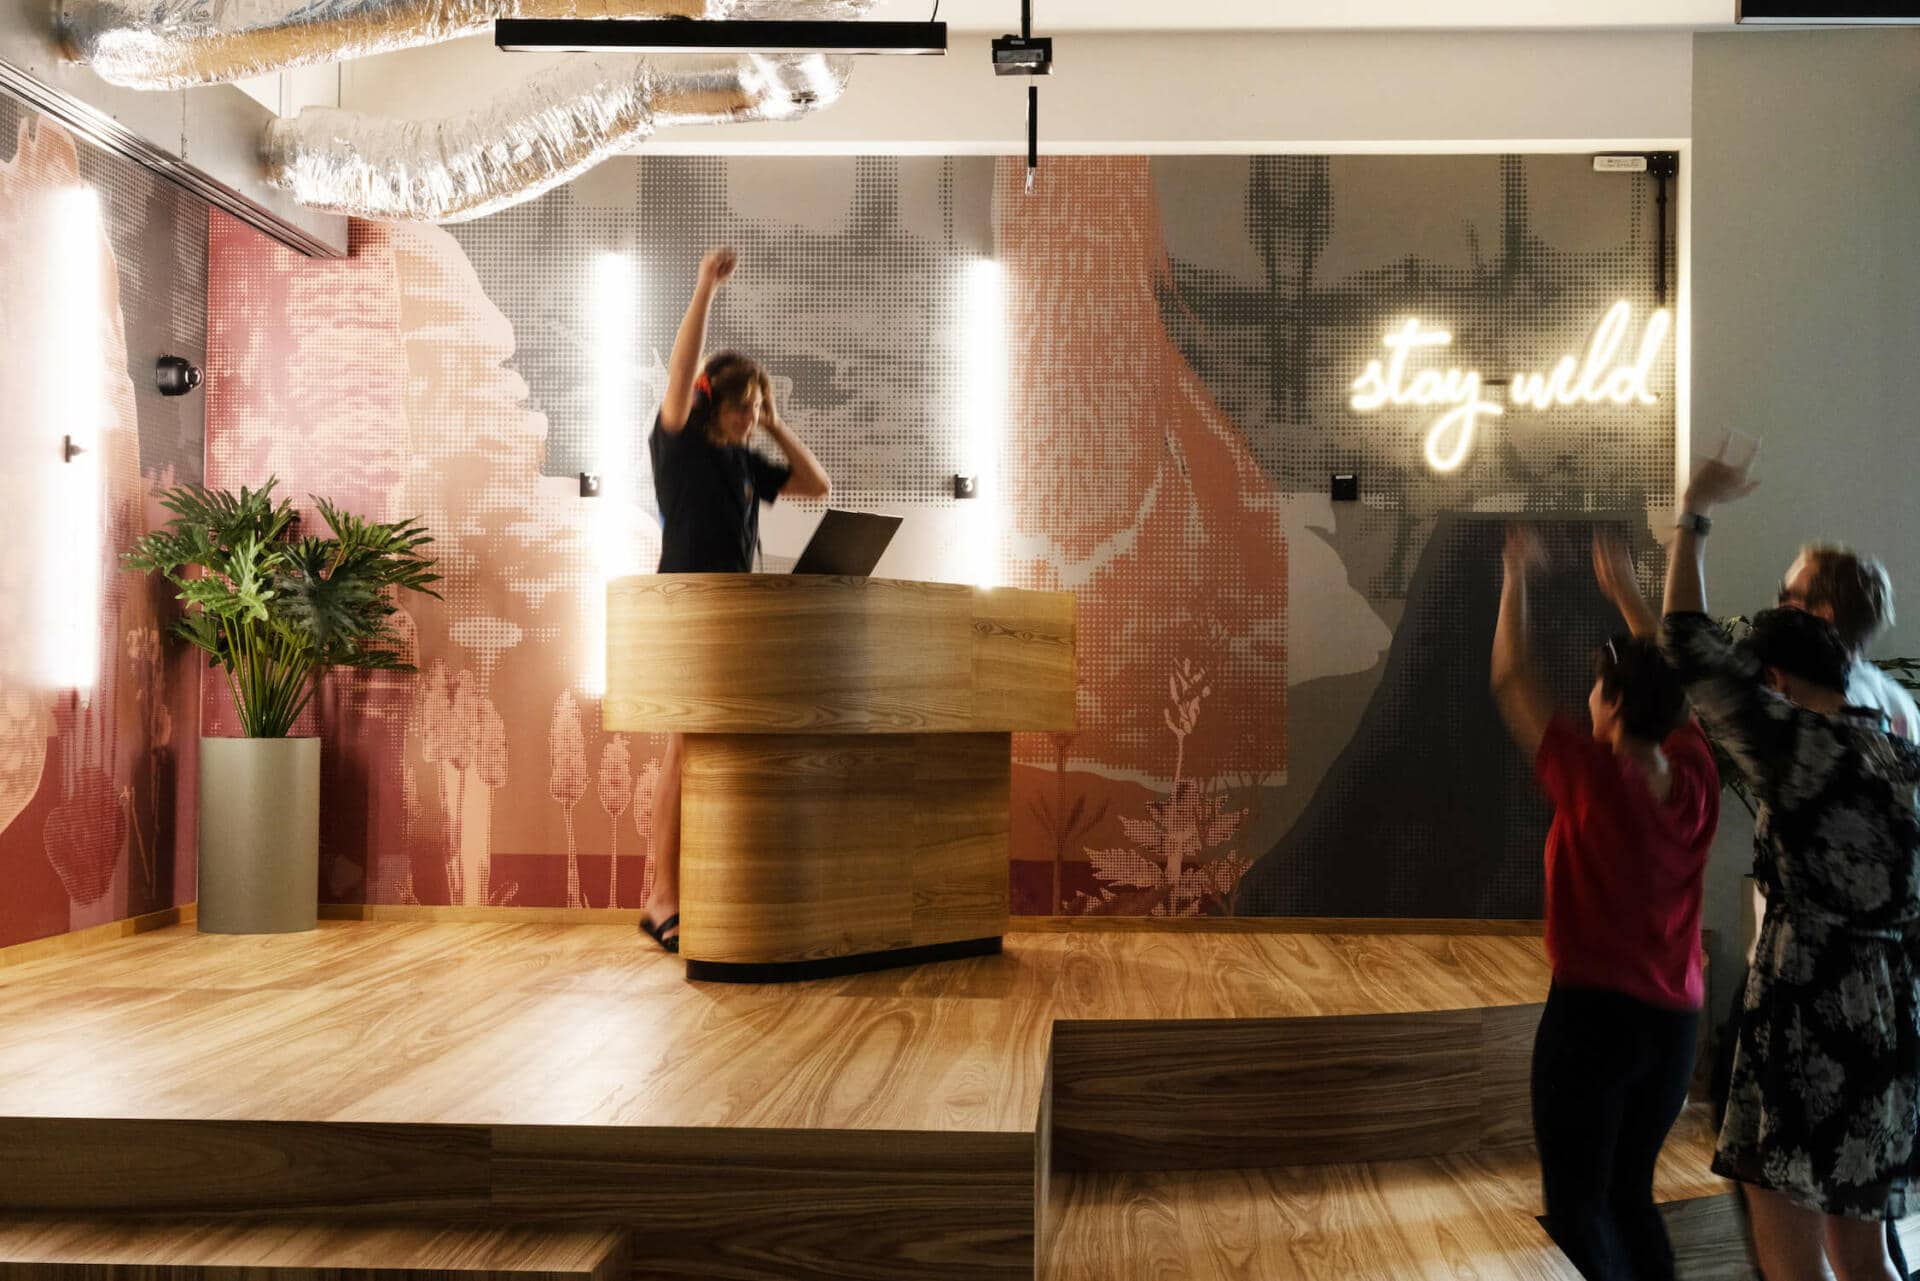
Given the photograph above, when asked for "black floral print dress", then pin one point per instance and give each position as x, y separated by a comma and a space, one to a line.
1825, 1101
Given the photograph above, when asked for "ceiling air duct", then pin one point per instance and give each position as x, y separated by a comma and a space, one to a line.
537, 134
171, 44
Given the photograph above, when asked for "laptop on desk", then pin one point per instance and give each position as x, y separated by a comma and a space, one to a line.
847, 543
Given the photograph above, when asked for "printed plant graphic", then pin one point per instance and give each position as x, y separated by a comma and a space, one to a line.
1181, 858
149, 669
616, 793
643, 823
567, 781
1065, 824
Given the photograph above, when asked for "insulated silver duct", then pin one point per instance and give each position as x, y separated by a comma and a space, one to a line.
547, 129
173, 44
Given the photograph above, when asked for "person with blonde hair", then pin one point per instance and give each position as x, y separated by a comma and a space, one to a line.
1852, 591
1823, 1107
710, 484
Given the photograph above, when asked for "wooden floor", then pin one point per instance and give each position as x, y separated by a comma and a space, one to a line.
1456, 1218
59, 1250
901, 1124
587, 1025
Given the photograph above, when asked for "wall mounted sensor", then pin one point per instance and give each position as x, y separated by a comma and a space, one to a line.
1346, 487
966, 486
589, 485
175, 375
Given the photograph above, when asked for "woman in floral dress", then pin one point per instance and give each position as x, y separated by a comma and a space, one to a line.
1822, 1115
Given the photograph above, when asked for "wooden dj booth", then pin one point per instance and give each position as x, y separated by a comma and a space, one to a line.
844, 796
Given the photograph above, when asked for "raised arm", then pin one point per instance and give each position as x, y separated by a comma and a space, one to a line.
1613, 570
1725, 683
1517, 690
809, 478
683, 366
1715, 481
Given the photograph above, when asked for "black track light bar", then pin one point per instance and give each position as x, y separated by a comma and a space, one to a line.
700, 35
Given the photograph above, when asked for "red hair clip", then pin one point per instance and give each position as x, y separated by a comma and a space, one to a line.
703, 386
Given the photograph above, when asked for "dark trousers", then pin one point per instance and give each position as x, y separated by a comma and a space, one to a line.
1610, 1076
1722, 1085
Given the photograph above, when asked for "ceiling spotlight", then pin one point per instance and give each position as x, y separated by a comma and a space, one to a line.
1026, 55
701, 35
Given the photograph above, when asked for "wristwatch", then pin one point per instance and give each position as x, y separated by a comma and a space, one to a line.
1695, 521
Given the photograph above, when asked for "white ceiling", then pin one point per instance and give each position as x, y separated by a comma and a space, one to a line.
1051, 16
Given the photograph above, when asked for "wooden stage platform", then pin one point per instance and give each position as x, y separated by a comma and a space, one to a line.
566, 1079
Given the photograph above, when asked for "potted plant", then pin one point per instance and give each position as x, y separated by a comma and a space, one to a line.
274, 611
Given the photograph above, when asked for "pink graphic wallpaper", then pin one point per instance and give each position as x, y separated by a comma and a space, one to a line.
100, 268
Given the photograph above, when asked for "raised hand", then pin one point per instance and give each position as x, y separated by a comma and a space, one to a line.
1720, 480
1613, 569
1523, 551
718, 264
1612, 566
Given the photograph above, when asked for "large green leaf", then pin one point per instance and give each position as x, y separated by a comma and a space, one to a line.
277, 611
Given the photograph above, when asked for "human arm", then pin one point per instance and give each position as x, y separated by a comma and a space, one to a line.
809, 478
683, 365
1517, 690
1725, 683
1613, 570
1715, 482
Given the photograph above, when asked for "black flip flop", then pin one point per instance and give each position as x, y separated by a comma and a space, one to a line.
658, 933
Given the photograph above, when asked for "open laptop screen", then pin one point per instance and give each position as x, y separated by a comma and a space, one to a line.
847, 543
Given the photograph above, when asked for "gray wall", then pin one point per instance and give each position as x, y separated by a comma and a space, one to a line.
1806, 321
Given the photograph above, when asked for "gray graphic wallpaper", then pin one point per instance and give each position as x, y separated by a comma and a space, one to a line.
1153, 365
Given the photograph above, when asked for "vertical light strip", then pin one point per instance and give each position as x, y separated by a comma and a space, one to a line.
70, 611
612, 311
986, 440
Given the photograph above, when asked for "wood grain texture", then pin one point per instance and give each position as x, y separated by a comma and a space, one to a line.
1275, 925
814, 1203
811, 654
97, 935
296, 1250
1429, 1219
797, 847
520, 1072
1247, 1093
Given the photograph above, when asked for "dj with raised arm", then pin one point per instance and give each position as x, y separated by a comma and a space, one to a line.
710, 483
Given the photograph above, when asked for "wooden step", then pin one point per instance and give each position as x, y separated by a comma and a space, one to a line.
87, 1249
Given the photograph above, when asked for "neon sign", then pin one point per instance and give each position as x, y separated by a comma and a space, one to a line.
1598, 376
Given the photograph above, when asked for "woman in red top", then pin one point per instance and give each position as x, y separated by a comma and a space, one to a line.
1636, 800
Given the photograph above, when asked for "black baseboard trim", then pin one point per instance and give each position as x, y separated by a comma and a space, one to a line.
834, 966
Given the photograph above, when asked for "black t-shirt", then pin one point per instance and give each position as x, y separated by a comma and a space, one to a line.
709, 516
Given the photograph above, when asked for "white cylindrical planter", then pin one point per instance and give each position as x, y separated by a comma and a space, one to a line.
259, 835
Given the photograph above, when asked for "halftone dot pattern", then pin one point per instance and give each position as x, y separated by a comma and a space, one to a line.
851, 297
97, 756
1281, 346
159, 238
1183, 333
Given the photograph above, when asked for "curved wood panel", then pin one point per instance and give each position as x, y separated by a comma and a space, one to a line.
812, 654
798, 847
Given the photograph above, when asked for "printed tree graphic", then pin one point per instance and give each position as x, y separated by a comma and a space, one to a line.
643, 789
616, 793
567, 781
490, 763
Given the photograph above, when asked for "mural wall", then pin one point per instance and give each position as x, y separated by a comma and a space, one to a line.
102, 271
1154, 365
